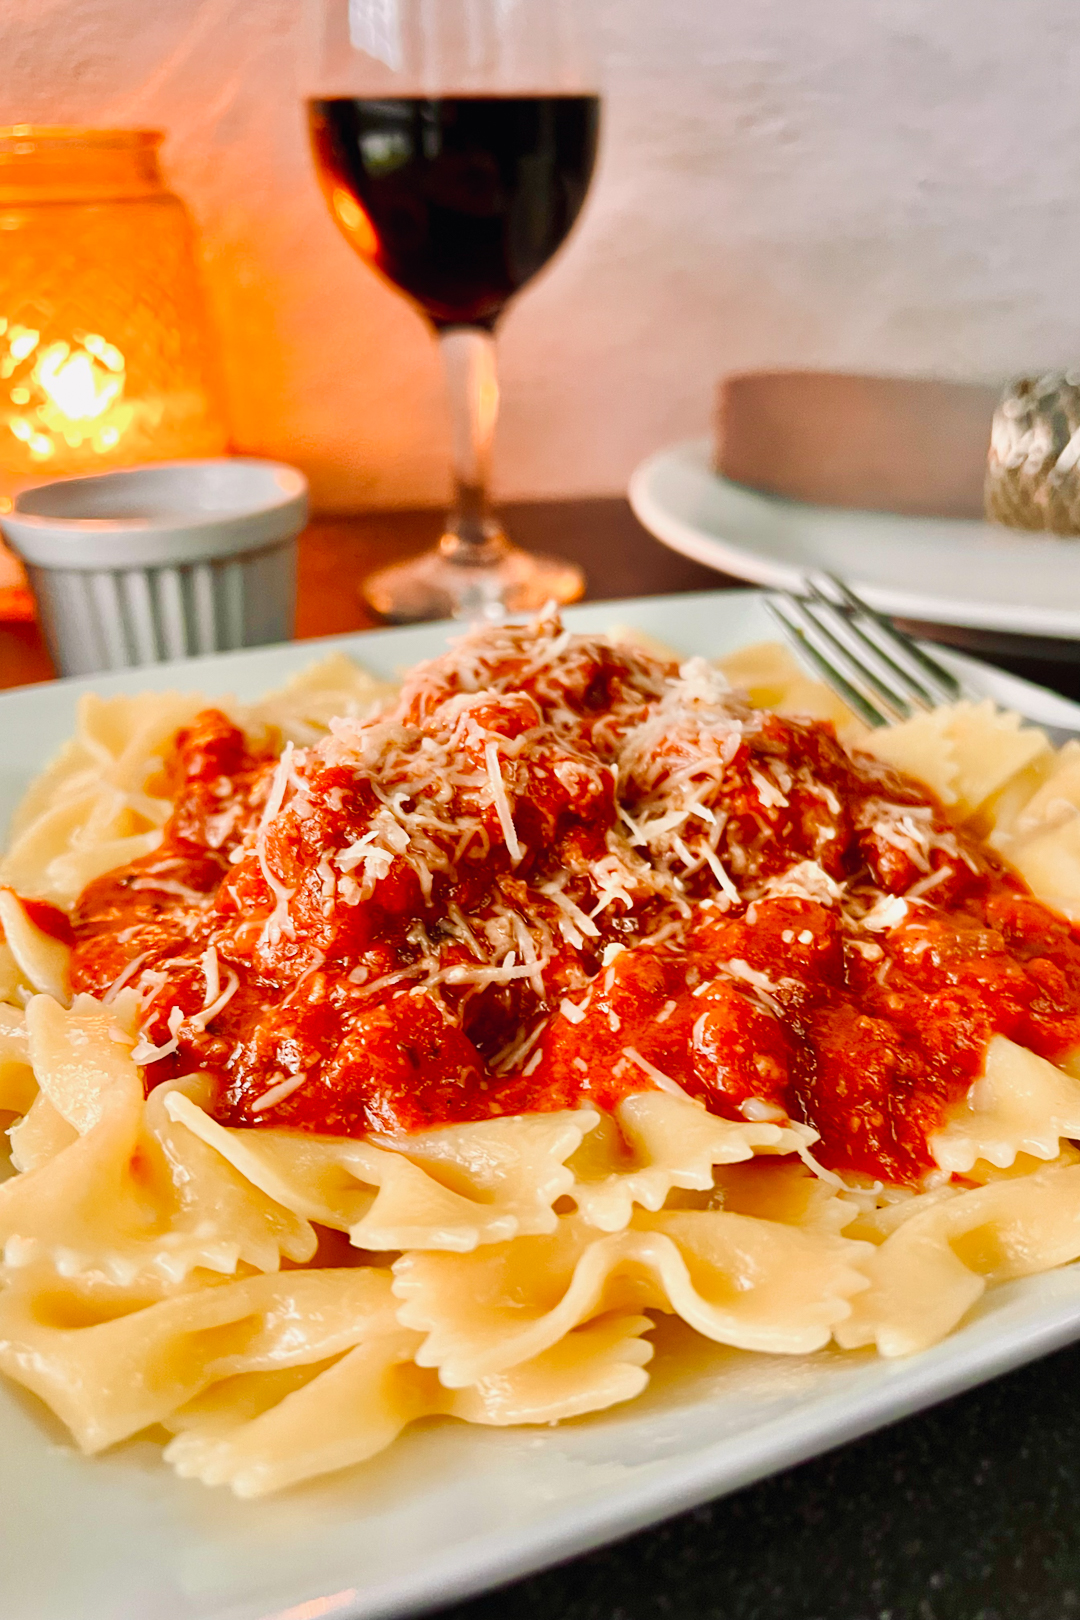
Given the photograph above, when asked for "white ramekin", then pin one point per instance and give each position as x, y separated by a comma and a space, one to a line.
162, 561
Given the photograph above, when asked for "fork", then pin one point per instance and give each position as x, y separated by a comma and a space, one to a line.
883, 675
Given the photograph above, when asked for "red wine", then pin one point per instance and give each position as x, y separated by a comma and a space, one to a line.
458, 200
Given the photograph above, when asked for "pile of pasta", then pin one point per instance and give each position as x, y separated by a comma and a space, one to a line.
281, 1304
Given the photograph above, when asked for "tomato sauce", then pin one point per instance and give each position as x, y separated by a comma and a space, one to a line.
558, 872
49, 919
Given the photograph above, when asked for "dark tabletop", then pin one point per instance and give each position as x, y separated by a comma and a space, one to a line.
336, 553
970, 1511
965, 1512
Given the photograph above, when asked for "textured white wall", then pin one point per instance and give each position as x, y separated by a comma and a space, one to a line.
880, 184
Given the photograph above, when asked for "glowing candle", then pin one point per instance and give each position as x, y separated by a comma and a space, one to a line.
106, 357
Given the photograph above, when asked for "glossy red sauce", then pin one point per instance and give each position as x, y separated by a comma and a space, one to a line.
824, 1003
49, 919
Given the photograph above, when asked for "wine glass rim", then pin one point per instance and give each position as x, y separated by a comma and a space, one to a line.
454, 49
585, 91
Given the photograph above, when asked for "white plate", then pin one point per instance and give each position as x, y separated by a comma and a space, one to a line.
450, 1509
940, 570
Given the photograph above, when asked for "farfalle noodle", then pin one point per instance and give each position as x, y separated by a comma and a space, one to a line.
463, 1185
285, 1302
259, 1432
42, 960
451, 1188
655, 1142
18, 1088
110, 1367
124, 1190
751, 1283
937, 1263
104, 801
1022, 1104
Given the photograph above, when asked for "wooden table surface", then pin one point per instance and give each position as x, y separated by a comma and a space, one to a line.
619, 557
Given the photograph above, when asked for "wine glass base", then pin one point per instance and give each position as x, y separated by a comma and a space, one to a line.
435, 587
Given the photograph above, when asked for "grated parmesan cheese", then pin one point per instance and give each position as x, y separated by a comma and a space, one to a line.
886, 913
758, 1111
144, 1053
277, 1094
663, 1081
501, 802
671, 792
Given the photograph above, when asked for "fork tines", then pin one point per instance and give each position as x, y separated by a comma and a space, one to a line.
880, 673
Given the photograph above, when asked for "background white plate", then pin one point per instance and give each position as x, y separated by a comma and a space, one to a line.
940, 570
450, 1509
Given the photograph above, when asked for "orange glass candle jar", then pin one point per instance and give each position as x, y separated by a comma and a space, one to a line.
106, 357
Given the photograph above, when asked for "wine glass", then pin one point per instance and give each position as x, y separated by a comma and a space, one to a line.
454, 142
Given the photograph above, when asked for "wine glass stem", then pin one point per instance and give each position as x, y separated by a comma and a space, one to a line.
473, 537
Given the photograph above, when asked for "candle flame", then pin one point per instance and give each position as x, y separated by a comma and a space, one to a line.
70, 393
75, 384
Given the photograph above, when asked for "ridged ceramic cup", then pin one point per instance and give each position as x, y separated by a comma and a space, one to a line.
162, 561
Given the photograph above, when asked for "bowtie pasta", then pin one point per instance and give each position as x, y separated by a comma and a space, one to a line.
372, 1057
